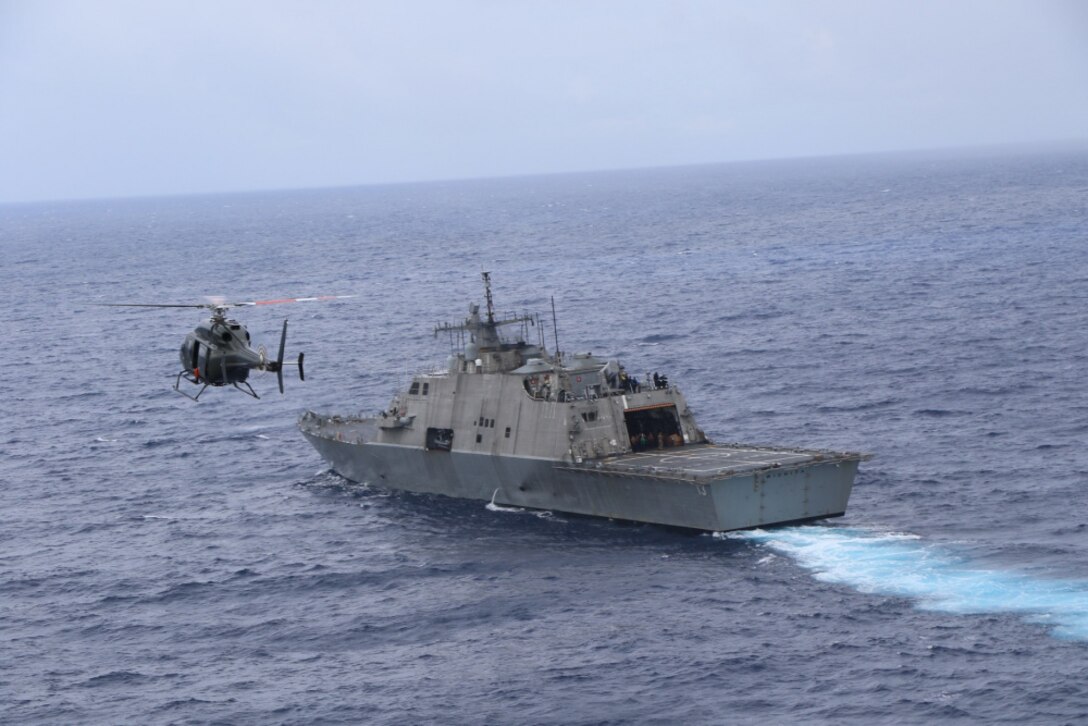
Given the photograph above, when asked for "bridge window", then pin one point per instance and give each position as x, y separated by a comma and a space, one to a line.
414, 389
425, 387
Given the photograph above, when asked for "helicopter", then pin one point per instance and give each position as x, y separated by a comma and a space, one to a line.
218, 352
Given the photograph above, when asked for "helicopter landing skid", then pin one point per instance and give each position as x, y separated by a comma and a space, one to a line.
177, 386
248, 390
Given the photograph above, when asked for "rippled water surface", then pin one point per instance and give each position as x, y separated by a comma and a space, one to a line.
169, 562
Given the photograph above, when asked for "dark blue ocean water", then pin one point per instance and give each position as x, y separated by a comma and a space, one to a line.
169, 562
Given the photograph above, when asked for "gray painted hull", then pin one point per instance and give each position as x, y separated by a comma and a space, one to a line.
784, 486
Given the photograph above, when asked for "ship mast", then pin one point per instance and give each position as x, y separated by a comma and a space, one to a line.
487, 294
485, 333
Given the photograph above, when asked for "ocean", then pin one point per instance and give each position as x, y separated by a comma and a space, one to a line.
164, 561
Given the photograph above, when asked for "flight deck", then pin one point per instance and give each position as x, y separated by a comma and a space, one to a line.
704, 462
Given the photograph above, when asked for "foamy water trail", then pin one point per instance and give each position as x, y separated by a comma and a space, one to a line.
491, 506
905, 566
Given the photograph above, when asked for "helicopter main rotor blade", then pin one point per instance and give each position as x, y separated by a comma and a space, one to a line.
143, 305
319, 298
219, 304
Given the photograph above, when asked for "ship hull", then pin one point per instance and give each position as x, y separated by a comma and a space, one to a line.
784, 487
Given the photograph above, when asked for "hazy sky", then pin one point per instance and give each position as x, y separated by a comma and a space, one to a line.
115, 98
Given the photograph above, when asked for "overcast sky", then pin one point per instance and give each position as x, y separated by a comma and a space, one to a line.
113, 98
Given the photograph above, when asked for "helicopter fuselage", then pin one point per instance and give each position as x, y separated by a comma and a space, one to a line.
217, 353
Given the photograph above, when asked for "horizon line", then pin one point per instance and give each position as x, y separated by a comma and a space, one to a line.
1052, 144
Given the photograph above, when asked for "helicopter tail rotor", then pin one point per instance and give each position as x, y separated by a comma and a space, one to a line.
279, 358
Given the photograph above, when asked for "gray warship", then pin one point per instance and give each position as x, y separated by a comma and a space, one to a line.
507, 422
